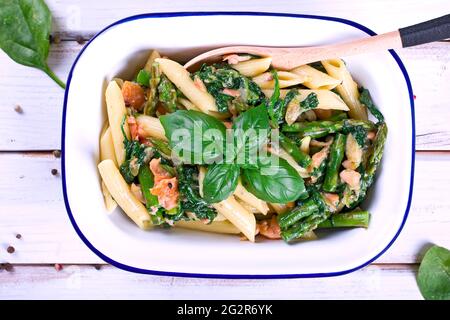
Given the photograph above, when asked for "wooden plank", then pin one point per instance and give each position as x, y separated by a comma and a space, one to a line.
90, 16
76, 282
41, 99
31, 204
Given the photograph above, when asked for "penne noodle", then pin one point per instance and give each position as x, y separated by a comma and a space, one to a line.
348, 89
120, 191
151, 127
247, 207
253, 67
317, 79
119, 82
107, 146
107, 152
279, 207
151, 58
215, 226
181, 78
116, 112
279, 152
285, 78
304, 146
251, 199
190, 106
328, 100
240, 217
110, 203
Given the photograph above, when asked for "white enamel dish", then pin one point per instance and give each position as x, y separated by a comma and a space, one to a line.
121, 49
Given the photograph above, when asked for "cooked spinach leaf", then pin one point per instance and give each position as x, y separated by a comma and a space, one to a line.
311, 102
366, 100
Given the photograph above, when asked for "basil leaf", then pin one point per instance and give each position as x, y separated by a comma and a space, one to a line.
195, 137
220, 182
434, 274
250, 131
24, 33
274, 181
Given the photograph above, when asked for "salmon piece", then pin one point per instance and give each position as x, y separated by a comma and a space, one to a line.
351, 178
332, 200
347, 164
199, 84
269, 228
137, 192
231, 92
319, 157
134, 128
158, 172
133, 95
228, 124
371, 135
167, 192
235, 59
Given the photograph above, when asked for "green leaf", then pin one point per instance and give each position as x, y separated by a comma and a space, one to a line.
250, 131
311, 102
190, 196
143, 78
220, 182
366, 100
195, 137
434, 274
274, 181
24, 33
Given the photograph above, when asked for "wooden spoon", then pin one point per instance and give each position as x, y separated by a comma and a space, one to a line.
289, 58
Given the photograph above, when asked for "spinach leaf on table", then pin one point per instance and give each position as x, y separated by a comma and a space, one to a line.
25, 33
434, 274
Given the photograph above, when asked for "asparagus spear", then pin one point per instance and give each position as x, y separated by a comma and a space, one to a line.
146, 181
289, 218
348, 219
352, 199
160, 145
338, 116
336, 156
302, 227
318, 129
303, 159
152, 97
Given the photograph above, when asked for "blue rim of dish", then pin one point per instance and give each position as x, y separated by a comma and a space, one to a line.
233, 276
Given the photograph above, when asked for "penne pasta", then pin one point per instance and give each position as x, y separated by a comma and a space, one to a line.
151, 127
240, 217
285, 79
107, 152
120, 191
348, 89
119, 82
279, 207
317, 79
328, 100
110, 203
151, 58
215, 226
181, 78
190, 106
116, 112
304, 146
253, 67
107, 146
251, 199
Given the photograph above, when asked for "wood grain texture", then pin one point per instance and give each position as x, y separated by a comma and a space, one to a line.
35, 209
85, 282
42, 100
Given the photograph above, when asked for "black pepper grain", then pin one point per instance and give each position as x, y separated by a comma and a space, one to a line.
57, 154
18, 109
54, 172
18, 236
97, 267
10, 249
79, 39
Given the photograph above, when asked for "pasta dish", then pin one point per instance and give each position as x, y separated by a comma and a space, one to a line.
237, 147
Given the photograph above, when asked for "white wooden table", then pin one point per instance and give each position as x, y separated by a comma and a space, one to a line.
31, 202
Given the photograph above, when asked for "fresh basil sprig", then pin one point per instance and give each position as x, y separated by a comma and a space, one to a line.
220, 181
275, 180
25, 33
